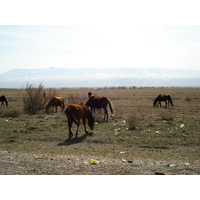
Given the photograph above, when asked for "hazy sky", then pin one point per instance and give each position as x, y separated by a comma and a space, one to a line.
99, 46
107, 34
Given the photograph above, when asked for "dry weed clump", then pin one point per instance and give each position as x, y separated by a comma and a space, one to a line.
132, 121
167, 116
33, 99
9, 112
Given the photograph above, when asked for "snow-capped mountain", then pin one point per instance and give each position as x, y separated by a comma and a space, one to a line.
95, 77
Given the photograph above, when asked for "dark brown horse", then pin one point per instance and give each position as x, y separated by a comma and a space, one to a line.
3, 99
99, 102
163, 97
55, 102
76, 112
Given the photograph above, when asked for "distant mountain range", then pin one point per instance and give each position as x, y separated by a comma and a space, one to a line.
105, 77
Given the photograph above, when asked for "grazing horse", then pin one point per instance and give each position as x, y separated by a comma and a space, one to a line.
163, 97
76, 112
55, 102
3, 99
99, 102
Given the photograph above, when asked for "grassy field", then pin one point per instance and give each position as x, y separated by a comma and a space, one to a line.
138, 139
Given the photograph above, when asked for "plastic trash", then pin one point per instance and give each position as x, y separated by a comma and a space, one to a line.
187, 164
166, 165
95, 162
182, 125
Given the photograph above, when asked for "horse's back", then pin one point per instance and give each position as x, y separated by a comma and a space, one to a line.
97, 102
77, 110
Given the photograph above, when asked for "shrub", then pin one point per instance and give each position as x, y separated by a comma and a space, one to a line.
9, 112
33, 99
132, 121
167, 116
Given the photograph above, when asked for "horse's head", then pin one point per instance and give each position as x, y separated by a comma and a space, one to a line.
89, 94
154, 104
91, 120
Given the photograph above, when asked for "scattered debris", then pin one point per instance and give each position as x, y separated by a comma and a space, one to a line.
159, 173
187, 164
173, 165
166, 165
157, 132
95, 162
182, 125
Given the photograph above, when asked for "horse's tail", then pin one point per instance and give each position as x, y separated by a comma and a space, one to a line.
110, 105
63, 104
170, 100
68, 111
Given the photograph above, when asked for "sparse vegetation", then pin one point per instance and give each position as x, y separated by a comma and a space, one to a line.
9, 112
132, 121
39, 144
33, 99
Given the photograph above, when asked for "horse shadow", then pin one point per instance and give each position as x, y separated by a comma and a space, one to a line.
75, 140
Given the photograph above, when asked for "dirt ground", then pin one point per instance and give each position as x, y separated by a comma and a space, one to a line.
163, 141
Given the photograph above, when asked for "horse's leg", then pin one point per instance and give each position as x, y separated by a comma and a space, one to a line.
93, 111
70, 127
165, 103
78, 123
105, 114
84, 124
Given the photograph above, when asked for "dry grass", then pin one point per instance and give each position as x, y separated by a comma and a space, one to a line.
147, 137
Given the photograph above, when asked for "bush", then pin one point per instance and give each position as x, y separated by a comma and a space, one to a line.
9, 112
167, 116
132, 121
33, 99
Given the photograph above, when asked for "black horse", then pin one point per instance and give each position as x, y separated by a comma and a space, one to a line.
3, 99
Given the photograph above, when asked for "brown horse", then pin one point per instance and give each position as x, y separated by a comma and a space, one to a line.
99, 102
76, 112
3, 99
55, 102
163, 97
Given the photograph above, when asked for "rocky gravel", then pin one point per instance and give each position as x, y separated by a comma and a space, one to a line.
43, 164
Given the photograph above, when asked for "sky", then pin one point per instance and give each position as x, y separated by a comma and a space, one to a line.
135, 34
83, 46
